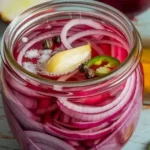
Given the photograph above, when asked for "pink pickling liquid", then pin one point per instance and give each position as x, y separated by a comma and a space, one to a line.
43, 118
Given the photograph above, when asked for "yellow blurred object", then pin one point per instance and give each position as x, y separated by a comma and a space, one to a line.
9, 9
146, 67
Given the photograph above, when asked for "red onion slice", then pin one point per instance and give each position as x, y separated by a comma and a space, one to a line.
64, 78
50, 109
66, 118
27, 123
48, 140
88, 109
97, 32
110, 42
19, 86
83, 129
75, 22
73, 143
97, 48
114, 53
12, 98
76, 135
135, 110
26, 101
121, 54
83, 113
67, 76
25, 117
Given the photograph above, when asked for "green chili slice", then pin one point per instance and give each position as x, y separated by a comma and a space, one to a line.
102, 71
99, 60
105, 65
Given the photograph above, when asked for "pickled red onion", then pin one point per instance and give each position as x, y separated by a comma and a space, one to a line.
110, 42
26, 118
96, 32
74, 135
48, 140
67, 76
75, 22
64, 78
18, 86
97, 48
88, 109
15, 100
84, 112
47, 110
84, 128
28, 102
137, 91
113, 51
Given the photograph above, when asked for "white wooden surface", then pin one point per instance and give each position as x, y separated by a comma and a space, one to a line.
139, 140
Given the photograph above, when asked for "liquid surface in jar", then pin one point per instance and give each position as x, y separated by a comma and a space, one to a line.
60, 50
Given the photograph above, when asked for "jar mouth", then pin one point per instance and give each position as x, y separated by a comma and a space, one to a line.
114, 78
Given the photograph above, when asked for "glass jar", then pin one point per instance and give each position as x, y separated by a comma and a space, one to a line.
40, 111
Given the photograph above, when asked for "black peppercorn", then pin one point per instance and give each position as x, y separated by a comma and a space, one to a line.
56, 39
47, 44
83, 68
89, 74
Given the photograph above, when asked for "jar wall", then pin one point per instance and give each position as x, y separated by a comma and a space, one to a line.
120, 128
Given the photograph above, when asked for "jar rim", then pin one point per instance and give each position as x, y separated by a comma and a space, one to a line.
107, 80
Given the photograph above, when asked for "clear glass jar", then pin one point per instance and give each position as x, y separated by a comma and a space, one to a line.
108, 126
